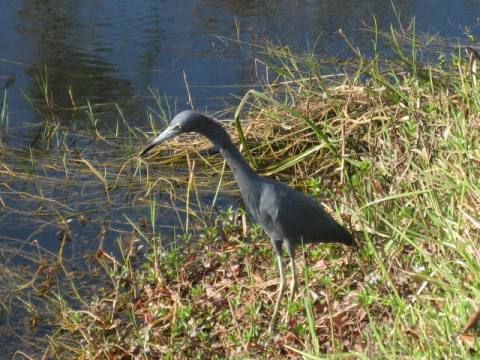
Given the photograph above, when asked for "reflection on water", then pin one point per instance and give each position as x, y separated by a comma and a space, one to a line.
112, 51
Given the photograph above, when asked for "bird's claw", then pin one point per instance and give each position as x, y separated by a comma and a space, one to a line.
271, 329
293, 290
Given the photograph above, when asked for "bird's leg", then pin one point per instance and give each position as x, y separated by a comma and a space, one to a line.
293, 283
278, 250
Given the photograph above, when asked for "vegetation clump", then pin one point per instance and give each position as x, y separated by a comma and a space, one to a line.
391, 147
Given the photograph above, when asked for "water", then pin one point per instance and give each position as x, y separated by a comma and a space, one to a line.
111, 52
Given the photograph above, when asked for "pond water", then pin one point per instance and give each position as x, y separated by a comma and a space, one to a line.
114, 52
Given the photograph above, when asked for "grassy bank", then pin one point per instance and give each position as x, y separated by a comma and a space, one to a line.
390, 147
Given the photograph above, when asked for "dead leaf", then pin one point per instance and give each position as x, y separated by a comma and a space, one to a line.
468, 340
472, 320
320, 264
413, 332
361, 315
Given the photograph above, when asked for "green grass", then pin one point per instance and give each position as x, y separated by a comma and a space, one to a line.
389, 146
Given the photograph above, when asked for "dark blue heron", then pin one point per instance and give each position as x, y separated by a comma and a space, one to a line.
287, 216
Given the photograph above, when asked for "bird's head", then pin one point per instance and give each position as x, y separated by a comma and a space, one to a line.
184, 122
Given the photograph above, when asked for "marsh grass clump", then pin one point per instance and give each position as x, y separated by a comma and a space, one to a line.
388, 144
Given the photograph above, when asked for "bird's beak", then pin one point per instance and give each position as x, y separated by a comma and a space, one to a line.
166, 134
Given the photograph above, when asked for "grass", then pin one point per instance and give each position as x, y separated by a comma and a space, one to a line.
391, 148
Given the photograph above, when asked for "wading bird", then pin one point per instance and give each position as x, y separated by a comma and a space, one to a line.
287, 216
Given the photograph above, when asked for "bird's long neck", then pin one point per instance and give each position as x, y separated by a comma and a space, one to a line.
243, 173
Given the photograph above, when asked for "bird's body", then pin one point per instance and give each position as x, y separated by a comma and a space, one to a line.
287, 216
295, 218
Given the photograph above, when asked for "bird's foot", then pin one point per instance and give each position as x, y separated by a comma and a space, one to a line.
291, 297
293, 290
271, 329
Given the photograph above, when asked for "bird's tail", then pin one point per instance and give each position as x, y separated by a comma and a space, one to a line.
345, 236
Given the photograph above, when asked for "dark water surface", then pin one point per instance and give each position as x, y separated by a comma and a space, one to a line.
112, 52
